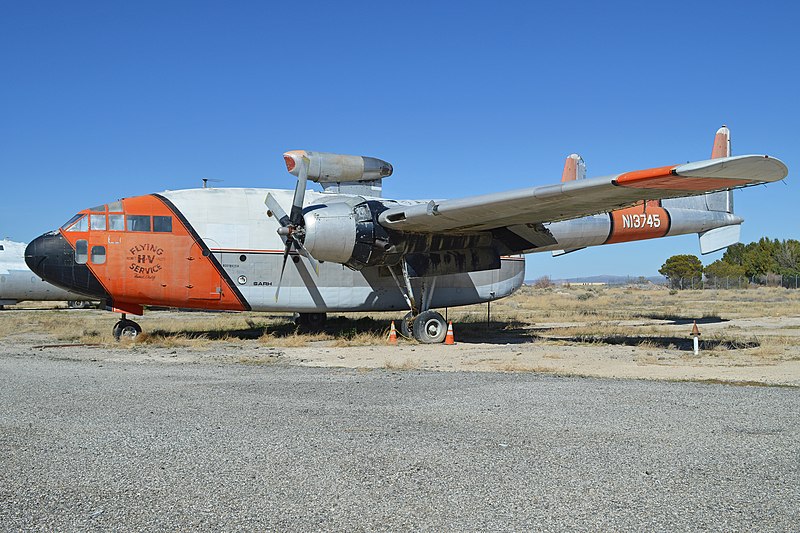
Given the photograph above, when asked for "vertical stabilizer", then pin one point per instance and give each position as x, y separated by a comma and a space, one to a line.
722, 143
574, 168
723, 200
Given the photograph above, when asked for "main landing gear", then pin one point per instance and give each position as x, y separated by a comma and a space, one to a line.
426, 326
126, 329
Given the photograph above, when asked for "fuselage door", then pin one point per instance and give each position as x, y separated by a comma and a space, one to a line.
204, 280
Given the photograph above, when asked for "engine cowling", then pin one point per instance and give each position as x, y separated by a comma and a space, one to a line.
336, 168
348, 232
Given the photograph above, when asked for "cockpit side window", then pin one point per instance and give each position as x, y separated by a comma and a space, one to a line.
162, 224
138, 223
77, 223
81, 251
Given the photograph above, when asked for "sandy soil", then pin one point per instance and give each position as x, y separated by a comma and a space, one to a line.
567, 357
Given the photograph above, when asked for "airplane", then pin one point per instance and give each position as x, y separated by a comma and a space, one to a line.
18, 283
353, 250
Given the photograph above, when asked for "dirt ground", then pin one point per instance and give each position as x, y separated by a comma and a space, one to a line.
741, 342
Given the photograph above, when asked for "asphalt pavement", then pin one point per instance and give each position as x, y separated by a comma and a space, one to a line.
111, 446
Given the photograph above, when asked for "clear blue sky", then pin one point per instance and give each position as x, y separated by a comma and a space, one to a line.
102, 100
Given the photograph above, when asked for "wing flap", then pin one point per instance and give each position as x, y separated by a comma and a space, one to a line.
573, 199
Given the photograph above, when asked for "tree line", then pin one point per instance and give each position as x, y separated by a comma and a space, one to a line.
758, 259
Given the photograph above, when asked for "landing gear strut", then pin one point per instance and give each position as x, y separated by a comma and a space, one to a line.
426, 326
310, 321
127, 329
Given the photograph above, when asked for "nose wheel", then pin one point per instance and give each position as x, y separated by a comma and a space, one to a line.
126, 329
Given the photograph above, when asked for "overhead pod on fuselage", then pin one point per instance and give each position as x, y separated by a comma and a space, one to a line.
346, 174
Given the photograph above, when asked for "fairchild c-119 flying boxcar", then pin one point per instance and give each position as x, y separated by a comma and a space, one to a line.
352, 250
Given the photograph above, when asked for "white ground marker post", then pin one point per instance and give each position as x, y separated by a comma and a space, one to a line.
696, 335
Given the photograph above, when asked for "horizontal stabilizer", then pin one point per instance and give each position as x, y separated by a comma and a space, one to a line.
719, 238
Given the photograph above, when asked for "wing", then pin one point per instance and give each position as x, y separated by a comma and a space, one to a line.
578, 198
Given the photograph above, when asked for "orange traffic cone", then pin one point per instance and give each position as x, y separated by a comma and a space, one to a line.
392, 335
449, 339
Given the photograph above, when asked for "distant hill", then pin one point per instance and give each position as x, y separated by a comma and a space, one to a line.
605, 278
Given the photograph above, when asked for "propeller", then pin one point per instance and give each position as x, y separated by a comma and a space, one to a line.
292, 229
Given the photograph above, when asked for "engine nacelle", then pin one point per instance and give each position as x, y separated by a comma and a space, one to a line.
348, 233
336, 168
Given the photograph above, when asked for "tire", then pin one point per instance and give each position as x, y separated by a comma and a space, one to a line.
407, 325
127, 329
430, 327
73, 304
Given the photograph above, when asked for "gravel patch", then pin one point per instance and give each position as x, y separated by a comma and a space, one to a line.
152, 446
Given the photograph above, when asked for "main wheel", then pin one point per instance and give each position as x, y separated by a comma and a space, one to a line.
127, 329
430, 327
310, 321
74, 304
407, 325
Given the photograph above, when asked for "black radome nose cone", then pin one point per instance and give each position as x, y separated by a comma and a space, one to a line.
52, 258
37, 252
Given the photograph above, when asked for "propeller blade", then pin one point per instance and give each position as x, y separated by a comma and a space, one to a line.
283, 268
277, 210
302, 251
296, 215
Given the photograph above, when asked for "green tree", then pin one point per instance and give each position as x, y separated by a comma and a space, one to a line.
722, 269
680, 269
787, 257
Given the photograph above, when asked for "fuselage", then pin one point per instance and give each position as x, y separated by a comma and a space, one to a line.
220, 249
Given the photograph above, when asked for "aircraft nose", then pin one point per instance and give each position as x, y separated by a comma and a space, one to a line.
44, 252
52, 258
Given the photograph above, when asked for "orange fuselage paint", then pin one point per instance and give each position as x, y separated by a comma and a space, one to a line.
172, 269
646, 220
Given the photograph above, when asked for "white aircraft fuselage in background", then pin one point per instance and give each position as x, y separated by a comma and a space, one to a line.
18, 283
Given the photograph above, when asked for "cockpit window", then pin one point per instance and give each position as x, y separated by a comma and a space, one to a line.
162, 224
138, 223
116, 222
97, 222
78, 223
98, 209
71, 221
115, 207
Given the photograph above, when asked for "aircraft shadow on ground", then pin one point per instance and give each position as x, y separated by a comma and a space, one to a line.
679, 343
676, 320
494, 332
339, 328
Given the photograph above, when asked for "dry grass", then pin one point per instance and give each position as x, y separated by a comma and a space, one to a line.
645, 317
405, 364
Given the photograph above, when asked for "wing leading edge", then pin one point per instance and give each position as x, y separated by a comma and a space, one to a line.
578, 198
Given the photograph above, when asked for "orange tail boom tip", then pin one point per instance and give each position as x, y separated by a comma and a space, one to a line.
449, 339
393, 335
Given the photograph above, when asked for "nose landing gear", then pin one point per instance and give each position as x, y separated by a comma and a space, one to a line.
126, 329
